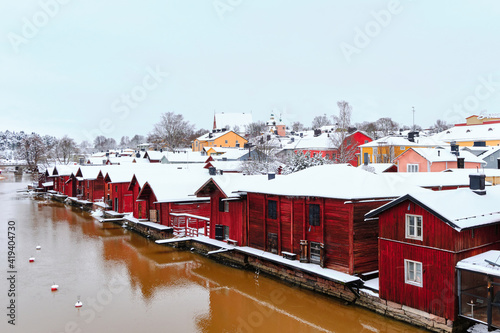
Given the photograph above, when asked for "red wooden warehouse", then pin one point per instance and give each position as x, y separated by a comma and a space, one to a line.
318, 214
228, 208
423, 236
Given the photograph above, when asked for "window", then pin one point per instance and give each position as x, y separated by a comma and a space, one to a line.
223, 206
402, 148
226, 141
314, 216
272, 209
412, 168
414, 226
116, 188
413, 272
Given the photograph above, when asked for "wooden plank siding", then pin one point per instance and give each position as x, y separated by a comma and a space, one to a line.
350, 243
439, 251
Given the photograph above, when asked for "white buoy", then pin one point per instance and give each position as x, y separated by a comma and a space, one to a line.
78, 303
54, 287
32, 259
38, 247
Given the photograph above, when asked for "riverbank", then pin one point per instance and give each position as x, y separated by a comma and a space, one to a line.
307, 276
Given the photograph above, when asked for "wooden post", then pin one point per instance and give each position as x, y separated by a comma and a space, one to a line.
304, 256
279, 224
292, 201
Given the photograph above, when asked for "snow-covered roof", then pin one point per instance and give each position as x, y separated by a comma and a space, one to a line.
65, 170
376, 167
484, 132
479, 264
460, 208
431, 179
488, 172
212, 136
229, 166
176, 185
230, 120
333, 181
185, 157
435, 155
231, 183
155, 155
404, 142
90, 172
483, 152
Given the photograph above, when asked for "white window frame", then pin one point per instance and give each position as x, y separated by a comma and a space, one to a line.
414, 235
413, 273
412, 167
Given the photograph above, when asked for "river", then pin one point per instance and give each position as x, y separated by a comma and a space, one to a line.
128, 283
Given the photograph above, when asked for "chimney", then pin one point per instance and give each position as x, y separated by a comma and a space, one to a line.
477, 183
271, 176
161, 150
411, 136
439, 152
454, 148
460, 163
212, 171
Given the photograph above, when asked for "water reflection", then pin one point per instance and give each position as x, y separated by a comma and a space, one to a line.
128, 283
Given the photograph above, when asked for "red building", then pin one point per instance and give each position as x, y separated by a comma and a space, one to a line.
90, 183
228, 208
325, 145
116, 188
318, 214
60, 175
422, 237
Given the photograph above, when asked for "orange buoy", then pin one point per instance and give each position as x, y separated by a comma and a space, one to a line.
32, 259
54, 287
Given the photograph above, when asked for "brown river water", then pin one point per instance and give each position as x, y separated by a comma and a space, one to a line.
128, 283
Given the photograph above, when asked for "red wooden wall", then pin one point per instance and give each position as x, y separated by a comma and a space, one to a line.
439, 251
351, 244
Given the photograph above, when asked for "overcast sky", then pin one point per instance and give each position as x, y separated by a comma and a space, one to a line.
88, 67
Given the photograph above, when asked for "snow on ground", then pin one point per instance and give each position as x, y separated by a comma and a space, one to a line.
480, 328
97, 213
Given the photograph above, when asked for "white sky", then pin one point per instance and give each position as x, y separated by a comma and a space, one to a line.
69, 73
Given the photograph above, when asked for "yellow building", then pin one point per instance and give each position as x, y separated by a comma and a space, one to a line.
386, 149
219, 138
481, 130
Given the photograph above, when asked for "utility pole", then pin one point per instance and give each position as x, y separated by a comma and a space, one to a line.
413, 110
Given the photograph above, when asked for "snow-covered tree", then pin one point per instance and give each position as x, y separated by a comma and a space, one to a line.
33, 150
301, 161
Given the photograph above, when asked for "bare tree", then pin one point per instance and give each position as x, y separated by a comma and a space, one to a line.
196, 134
369, 128
33, 150
256, 129
341, 139
297, 126
124, 142
439, 126
65, 150
172, 132
137, 140
387, 126
320, 121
